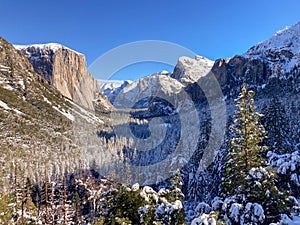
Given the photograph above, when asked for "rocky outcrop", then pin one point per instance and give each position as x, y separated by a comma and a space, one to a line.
66, 70
188, 70
271, 67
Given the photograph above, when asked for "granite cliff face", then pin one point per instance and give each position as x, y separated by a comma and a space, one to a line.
188, 70
271, 67
66, 70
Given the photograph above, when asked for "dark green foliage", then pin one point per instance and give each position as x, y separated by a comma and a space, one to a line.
245, 171
277, 125
124, 205
6, 208
245, 149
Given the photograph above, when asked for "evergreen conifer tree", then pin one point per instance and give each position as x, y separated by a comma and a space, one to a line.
245, 172
276, 122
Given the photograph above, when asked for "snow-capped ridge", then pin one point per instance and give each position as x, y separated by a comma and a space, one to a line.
287, 38
48, 46
282, 50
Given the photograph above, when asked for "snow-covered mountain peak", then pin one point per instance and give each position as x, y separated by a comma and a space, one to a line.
44, 47
282, 50
285, 39
189, 70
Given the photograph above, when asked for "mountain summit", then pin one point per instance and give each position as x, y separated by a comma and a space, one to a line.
282, 51
66, 70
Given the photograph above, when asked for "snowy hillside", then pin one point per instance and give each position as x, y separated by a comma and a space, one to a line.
282, 50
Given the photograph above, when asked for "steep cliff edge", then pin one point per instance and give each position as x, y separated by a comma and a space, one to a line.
66, 70
188, 70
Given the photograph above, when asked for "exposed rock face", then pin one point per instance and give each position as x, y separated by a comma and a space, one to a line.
66, 70
37, 123
190, 70
281, 52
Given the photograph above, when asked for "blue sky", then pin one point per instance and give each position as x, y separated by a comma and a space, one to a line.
214, 29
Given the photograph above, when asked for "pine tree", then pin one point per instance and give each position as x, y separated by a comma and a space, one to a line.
245, 172
277, 126
245, 149
176, 183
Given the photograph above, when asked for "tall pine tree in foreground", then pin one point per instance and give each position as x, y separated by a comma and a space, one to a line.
245, 173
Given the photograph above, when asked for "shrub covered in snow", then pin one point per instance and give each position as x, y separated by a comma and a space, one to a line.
161, 207
288, 168
206, 219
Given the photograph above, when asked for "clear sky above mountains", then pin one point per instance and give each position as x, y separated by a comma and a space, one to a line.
214, 29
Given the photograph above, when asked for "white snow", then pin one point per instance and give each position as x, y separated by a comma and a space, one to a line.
66, 114
135, 187
295, 221
164, 72
286, 164
4, 68
286, 40
18, 112
192, 69
46, 100
104, 84
21, 82
4, 105
286, 220
235, 210
46, 47
88, 116
204, 219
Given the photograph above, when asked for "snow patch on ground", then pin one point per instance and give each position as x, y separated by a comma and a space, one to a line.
66, 114
21, 82
8, 87
295, 221
86, 115
4, 68
46, 100
4, 105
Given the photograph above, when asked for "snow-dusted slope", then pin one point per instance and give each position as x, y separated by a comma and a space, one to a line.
282, 51
189, 70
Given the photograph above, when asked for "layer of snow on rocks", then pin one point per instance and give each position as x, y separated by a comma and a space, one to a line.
111, 84
282, 50
149, 86
192, 69
45, 47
